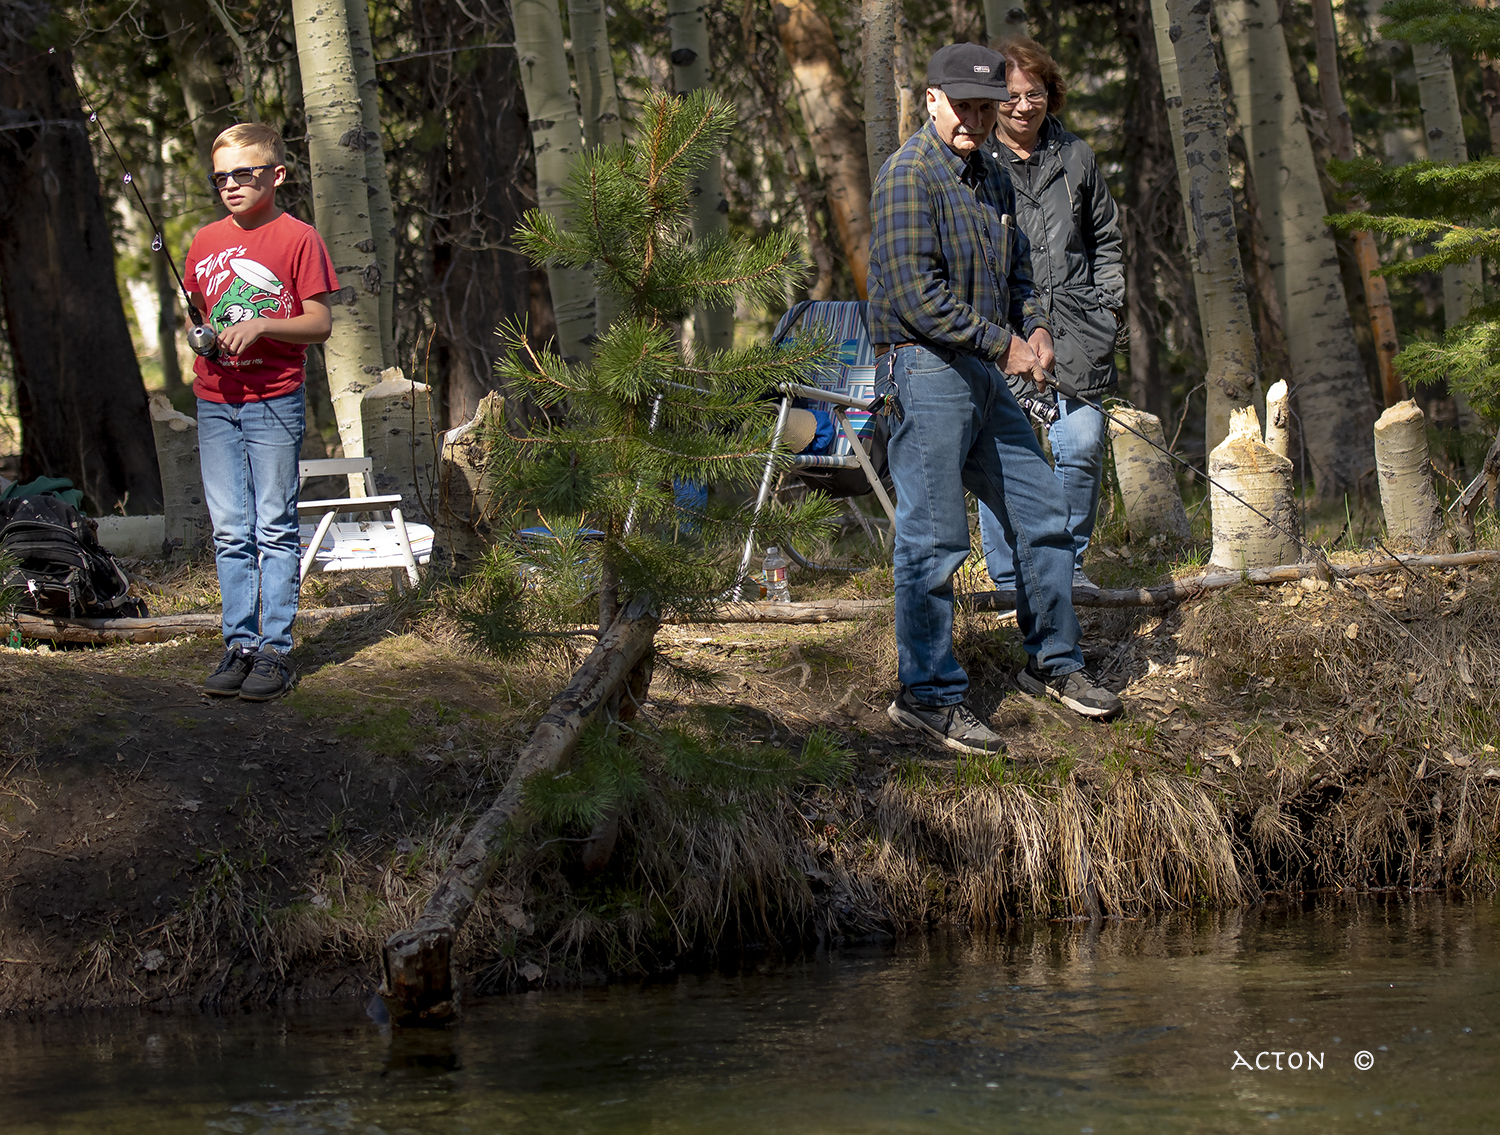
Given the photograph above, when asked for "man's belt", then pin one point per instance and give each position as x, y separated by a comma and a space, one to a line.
947, 353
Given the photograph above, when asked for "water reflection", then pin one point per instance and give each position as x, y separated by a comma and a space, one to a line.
1150, 1025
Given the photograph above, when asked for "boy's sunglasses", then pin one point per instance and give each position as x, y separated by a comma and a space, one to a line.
242, 176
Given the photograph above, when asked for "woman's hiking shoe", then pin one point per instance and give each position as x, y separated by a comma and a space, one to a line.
954, 725
1078, 691
225, 682
270, 676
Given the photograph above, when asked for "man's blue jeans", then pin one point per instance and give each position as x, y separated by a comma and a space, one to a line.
959, 427
248, 454
1077, 439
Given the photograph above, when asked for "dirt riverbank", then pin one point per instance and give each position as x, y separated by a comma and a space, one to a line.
159, 848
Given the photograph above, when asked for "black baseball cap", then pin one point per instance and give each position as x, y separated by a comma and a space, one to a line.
968, 71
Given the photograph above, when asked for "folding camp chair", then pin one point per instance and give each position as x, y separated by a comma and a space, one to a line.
359, 545
844, 391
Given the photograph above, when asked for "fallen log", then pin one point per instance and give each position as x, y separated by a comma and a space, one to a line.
417, 962
835, 610
162, 628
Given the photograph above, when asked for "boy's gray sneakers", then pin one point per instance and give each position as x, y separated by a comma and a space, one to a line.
954, 725
225, 682
270, 676
1078, 691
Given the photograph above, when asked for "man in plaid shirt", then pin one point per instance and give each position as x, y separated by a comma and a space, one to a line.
950, 277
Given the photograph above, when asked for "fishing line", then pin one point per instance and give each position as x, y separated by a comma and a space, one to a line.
201, 338
1068, 390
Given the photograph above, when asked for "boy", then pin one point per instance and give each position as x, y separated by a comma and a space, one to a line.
262, 279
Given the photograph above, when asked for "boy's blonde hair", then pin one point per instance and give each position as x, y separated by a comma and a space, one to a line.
253, 134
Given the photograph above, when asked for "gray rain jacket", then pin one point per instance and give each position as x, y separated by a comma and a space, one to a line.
1076, 256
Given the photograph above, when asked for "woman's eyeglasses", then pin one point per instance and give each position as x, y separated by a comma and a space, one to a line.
1032, 98
242, 176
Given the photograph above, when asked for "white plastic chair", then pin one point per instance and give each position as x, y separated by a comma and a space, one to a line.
359, 545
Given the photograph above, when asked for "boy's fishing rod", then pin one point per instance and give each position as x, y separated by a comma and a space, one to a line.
201, 337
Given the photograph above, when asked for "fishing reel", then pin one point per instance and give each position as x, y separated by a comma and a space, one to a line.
204, 341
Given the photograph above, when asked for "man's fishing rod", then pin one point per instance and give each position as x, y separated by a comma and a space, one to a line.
1065, 388
201, 337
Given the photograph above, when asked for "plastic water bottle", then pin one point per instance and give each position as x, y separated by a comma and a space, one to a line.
773, 570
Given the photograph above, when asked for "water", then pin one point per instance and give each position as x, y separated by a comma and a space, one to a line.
1126, 1027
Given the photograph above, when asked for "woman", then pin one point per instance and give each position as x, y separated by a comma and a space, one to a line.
1064, 206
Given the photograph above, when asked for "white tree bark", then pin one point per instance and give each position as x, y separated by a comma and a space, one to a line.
599, 99
188, 531
556, 139
1233, 368
882, 106
1332, 392
401, 442
1153, 503
1171, 88
1442, 121
1260, 480
335, 142
1003, 18
382, 215
464, 488
1413, 516
691, 72
1278, 419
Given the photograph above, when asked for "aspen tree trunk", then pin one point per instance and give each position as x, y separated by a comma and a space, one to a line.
691, 72
1262, 480
205, 91
1148, 483
1341, 133
1217, 272
834, 128
598, 95
882, 107
1442, 121
382, 215
335, 143
187, 529
1171, 87
1332, 392
556, 139
911, 108
1413, 516
161, 275
1278, 419
401, 440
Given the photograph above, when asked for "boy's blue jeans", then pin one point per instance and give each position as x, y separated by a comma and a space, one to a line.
248, 454
959, 427
1077, 439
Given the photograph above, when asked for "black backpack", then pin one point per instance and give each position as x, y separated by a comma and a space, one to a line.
61, 568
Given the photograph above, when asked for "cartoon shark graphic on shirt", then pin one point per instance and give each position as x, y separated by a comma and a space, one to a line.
254, 292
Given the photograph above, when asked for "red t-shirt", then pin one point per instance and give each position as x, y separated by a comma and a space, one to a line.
265, 272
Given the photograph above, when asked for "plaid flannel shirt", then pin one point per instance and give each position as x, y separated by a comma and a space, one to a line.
935, 255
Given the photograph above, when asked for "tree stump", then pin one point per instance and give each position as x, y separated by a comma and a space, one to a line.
396, 417
1147, 483
188, 530
463, 513
1279, 419
1413, 517
1261, 484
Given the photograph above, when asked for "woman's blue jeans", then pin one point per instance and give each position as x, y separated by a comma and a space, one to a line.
1077, 439
248, 454
958, 427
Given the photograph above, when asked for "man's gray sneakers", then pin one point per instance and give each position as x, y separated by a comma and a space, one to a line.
1078, 691
271, 675
954, 725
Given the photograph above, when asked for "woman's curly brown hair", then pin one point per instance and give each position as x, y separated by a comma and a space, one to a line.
1031, 57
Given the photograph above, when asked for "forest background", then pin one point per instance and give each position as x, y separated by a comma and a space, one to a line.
460, 154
